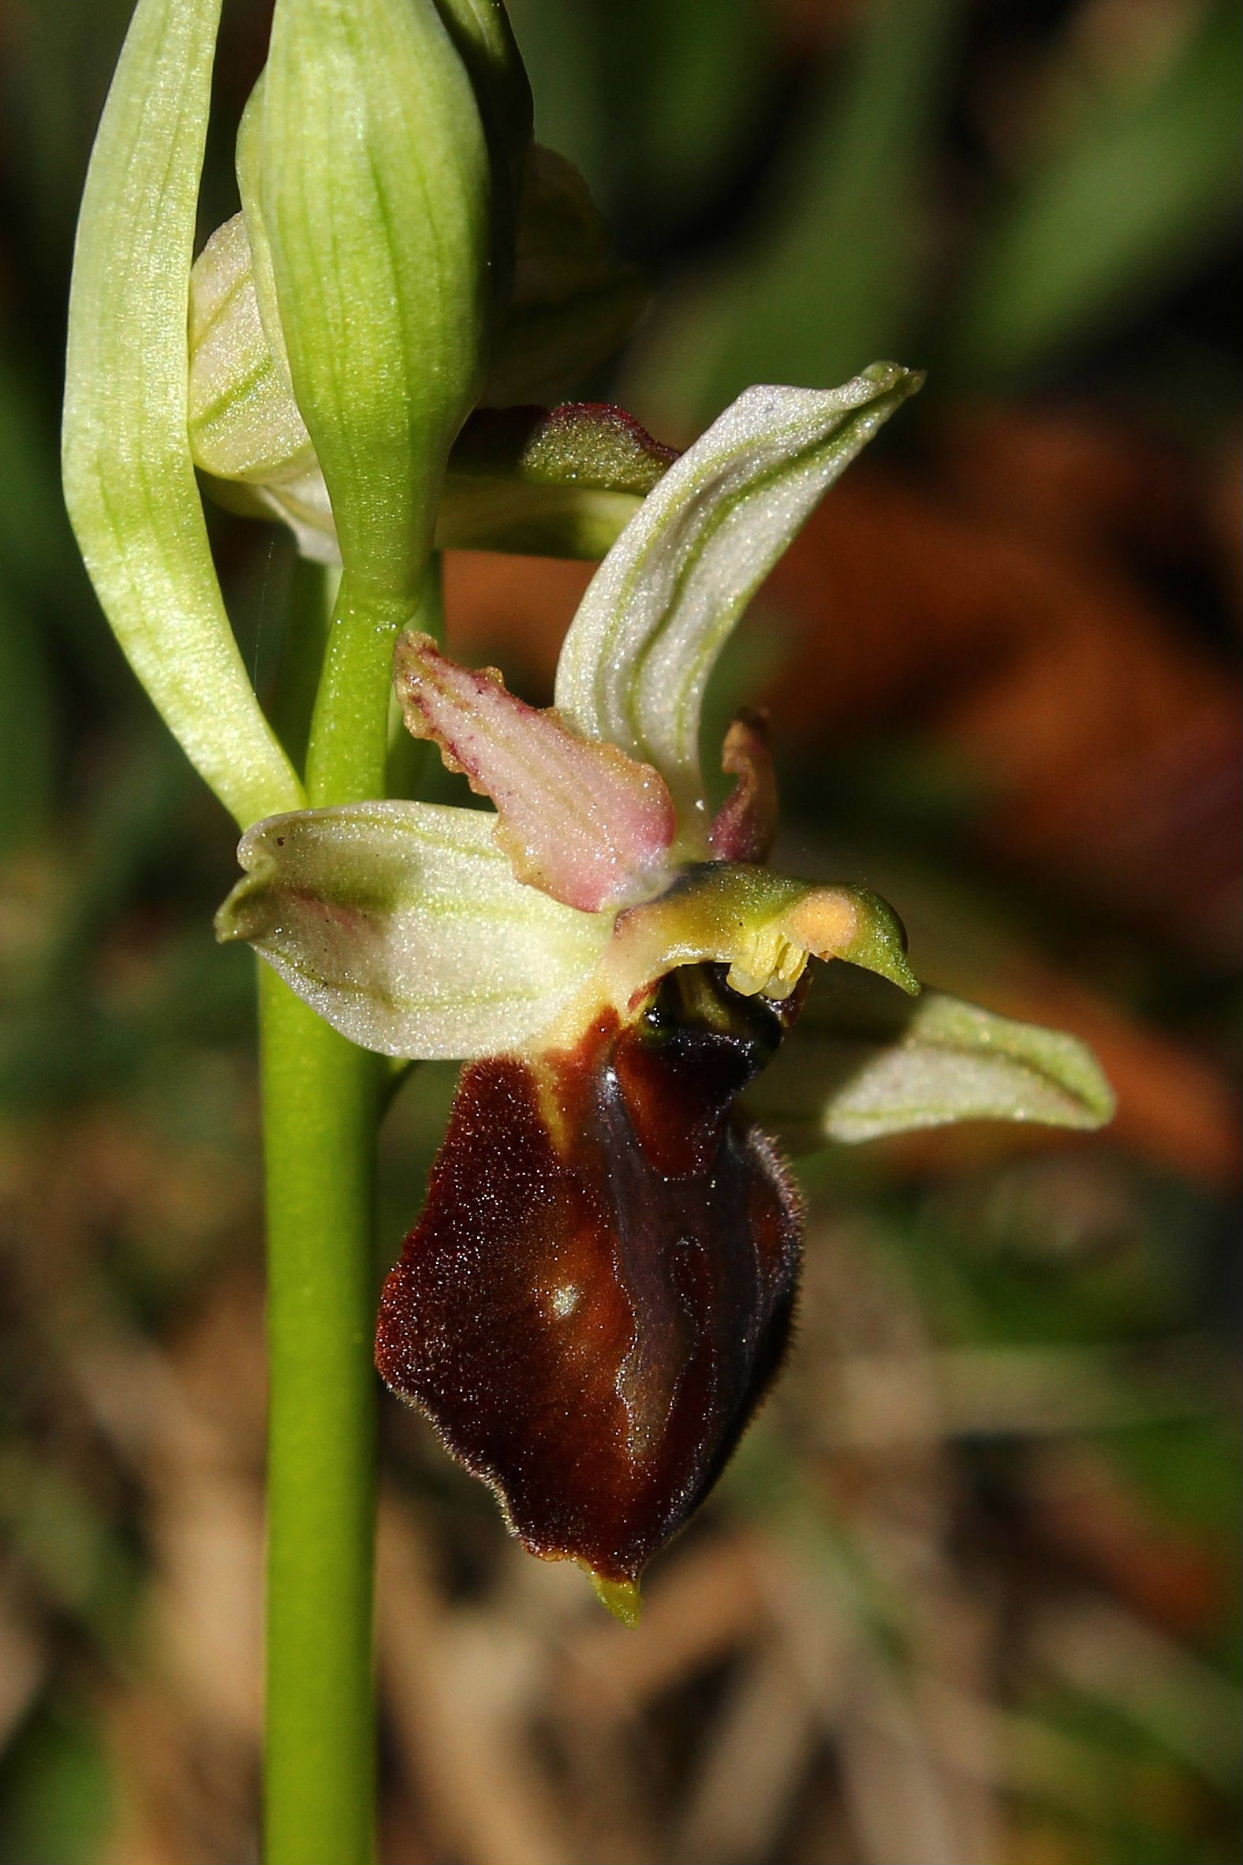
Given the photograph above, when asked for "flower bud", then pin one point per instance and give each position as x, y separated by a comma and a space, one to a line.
367, 190
518, 483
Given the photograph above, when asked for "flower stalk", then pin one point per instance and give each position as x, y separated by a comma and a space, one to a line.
600, 1288
321, 1100
372, 259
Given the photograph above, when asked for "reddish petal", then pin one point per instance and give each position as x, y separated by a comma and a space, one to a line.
600, 1287
745, 826
579, 819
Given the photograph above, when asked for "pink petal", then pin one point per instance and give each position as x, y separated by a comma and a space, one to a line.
745, 826
578, 819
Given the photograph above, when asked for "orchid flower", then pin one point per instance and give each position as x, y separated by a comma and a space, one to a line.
600, 1287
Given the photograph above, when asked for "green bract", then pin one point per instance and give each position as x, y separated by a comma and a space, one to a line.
484, 39
129, 480
339, 338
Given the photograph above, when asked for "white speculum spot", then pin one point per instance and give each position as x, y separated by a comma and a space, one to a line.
564, 1300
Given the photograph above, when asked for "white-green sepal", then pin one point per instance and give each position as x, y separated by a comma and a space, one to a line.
868, 1061
638, 654
402, 925
129, 480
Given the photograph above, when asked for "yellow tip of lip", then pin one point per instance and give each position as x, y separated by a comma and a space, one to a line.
622, 1597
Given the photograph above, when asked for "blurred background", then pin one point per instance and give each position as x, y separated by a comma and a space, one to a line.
967, 1595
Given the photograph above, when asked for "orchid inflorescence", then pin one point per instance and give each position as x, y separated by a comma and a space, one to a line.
602, 1282
601, 1285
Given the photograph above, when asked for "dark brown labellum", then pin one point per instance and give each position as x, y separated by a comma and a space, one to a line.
601, 1285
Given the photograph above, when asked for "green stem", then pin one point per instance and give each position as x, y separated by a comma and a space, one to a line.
411, 760
349, 732
308, 618
321, 1100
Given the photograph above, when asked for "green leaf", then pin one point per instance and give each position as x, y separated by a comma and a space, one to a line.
638, 654
129, 481
866, 1061
26, 728
403, 926
1130, 201
687, 87
839, 267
